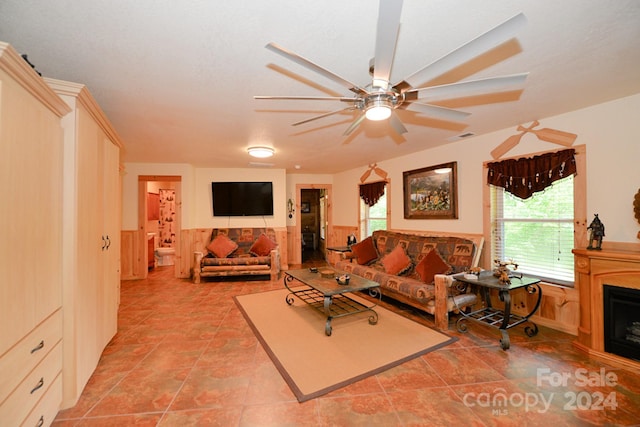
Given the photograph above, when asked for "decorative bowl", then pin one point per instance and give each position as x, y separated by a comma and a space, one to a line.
327, 274
343, 280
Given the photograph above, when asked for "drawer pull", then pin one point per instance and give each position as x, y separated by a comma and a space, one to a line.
38, 386
40, 346
40, 421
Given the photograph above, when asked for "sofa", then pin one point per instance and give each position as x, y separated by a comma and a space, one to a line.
238, 252
416, 268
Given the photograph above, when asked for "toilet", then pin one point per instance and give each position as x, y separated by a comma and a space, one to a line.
164, 256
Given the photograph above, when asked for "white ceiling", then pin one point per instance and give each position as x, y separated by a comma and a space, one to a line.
177, 79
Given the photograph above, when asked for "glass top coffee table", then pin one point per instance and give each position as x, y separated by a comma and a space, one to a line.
323, 293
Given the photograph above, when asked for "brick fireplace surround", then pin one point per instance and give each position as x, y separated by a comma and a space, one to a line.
594, 269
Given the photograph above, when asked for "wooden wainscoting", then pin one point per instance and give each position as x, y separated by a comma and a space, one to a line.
338, 237
559, 308
132, 266
132, 253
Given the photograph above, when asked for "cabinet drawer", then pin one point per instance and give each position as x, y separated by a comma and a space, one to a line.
16, 363
47, 409
29, 392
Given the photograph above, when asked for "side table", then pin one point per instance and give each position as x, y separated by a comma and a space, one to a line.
502, 319
338, 249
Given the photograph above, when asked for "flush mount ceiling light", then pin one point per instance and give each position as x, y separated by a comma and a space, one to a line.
260, 152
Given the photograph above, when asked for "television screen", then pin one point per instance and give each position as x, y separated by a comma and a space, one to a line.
242, 198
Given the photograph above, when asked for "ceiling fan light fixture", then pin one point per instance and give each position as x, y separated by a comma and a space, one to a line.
378, 108
260, 152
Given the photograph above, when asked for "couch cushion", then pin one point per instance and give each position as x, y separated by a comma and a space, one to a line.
262, 246
456, 251
365, 251
396, 262
431, 265
222, 246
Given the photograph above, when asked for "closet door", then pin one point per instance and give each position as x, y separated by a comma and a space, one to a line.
88, 309
30, 212
111, 230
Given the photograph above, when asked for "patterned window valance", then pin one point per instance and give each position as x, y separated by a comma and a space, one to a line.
372, 192
526, 176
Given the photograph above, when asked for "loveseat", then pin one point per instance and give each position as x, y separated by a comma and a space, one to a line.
238, 252
416, 269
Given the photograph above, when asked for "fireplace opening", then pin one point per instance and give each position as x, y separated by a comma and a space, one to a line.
622, 321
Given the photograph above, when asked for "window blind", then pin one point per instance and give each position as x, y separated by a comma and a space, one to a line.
537, 233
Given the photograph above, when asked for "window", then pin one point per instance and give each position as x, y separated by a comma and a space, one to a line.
538, 232
374, 217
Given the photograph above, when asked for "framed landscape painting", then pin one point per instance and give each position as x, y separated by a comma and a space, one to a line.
431, 193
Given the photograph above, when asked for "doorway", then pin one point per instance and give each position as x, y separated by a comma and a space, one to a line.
313, 223
159, 220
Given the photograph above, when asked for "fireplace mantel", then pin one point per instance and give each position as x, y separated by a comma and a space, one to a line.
594, 269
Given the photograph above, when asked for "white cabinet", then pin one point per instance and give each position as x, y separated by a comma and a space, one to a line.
91, 236
31, 155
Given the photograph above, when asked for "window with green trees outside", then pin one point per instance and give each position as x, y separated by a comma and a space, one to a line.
536, 233
374, 217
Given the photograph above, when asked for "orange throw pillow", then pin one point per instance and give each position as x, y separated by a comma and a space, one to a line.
222, 246
396, 262
431, 265
262, 246
365, 251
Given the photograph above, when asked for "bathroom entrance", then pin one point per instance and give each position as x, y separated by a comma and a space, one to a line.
159, 201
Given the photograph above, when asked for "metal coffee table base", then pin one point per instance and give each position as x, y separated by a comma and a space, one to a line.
332, 306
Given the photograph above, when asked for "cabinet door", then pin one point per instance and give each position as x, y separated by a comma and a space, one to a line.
111, 226
87, 307
30, 212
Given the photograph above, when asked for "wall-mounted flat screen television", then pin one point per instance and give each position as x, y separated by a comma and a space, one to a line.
242, 198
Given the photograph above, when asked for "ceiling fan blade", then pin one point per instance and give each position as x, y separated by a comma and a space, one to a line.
354, 125
468, 88
507, 145
312, 66
439, 112
555, 136
483, 43
396, 124
386, 38
321, 116
311, 98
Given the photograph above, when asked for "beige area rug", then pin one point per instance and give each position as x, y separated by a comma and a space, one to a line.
313, 363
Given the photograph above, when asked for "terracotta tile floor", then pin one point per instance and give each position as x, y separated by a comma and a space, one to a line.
184, 355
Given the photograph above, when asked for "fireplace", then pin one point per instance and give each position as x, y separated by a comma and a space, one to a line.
607, 330
622, 321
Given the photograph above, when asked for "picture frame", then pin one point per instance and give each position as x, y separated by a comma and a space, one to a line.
305, 207
431, 192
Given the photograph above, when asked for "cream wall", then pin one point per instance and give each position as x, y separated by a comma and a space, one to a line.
611, 132
196, 194
203, 214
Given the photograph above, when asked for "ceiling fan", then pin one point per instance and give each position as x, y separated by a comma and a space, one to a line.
379, 99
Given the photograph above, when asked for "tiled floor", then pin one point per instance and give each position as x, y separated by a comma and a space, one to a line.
184, 355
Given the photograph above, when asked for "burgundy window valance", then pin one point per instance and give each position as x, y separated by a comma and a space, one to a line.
526, 176
372, 192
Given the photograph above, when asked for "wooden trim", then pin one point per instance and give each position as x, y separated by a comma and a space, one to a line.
12, 63
166, 178
84, 97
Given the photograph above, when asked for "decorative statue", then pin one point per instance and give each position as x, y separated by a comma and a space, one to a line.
596, 233
502, 272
